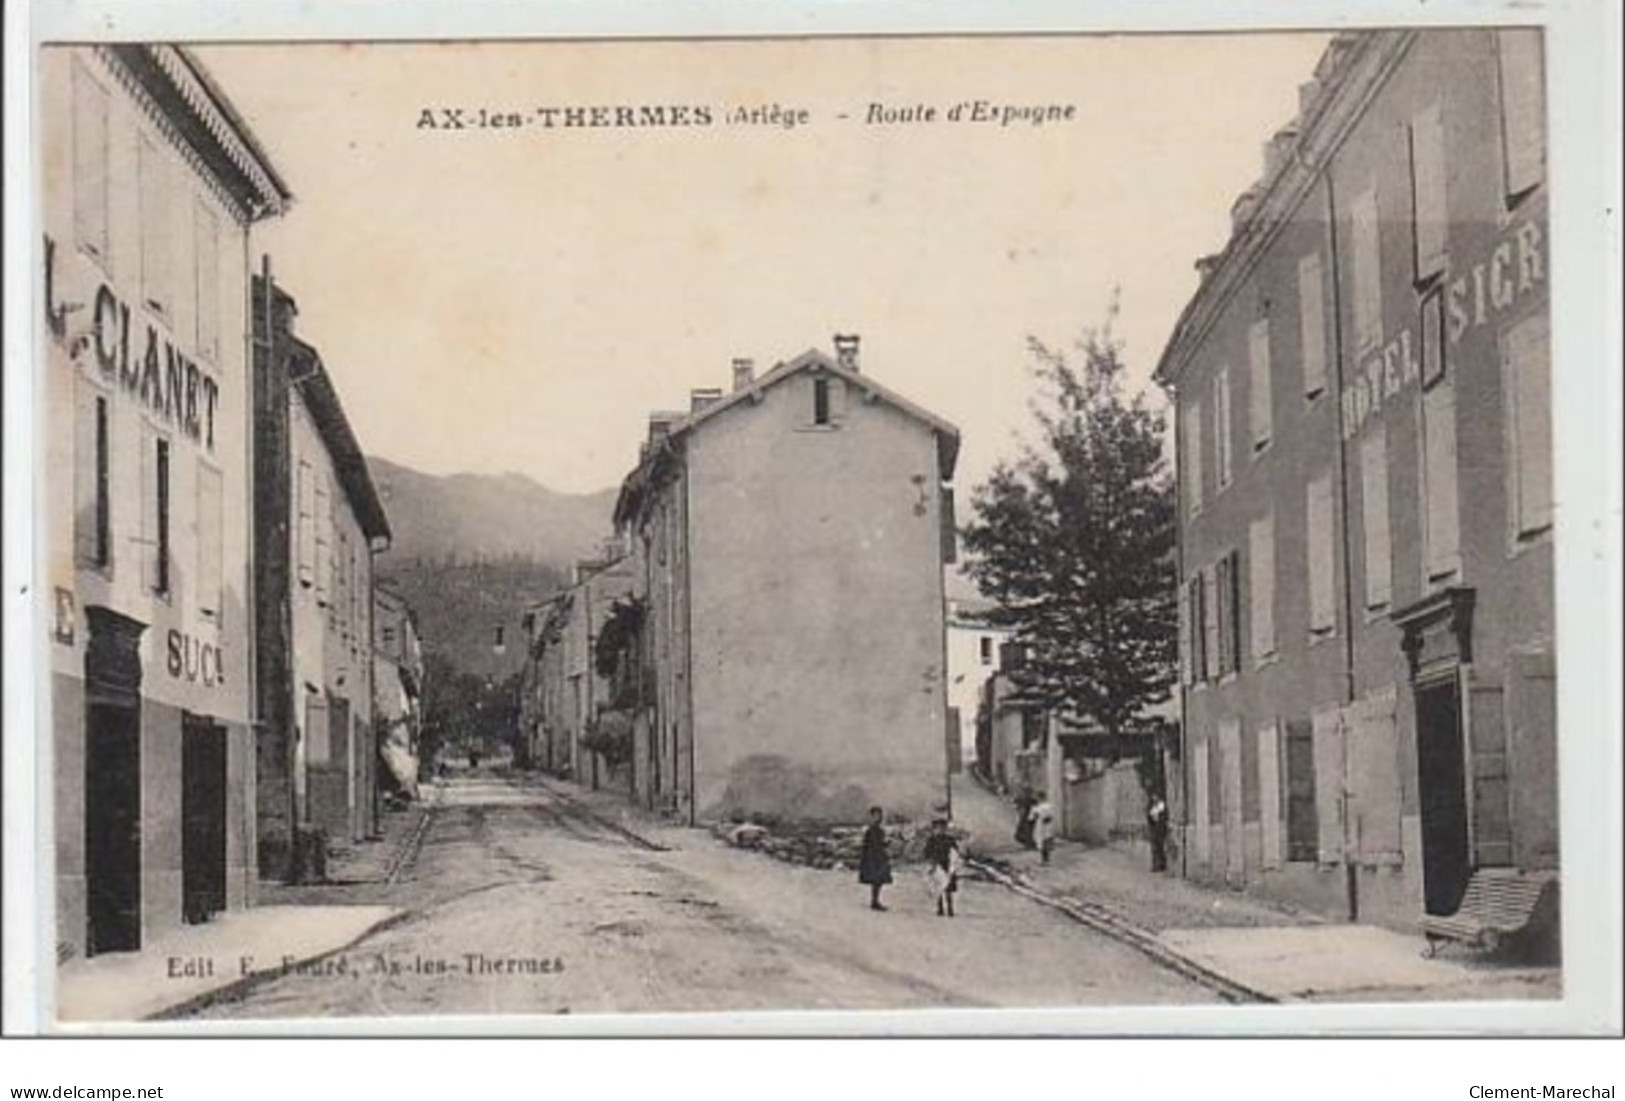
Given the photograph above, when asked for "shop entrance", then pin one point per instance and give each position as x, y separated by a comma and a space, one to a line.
203, 818
1442, 788
112, 828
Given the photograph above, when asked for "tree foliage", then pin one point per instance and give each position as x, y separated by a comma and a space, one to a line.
1074, 539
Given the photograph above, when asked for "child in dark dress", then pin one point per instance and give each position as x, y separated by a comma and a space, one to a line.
874, 862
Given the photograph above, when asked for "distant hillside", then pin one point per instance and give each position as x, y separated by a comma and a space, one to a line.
472, 516
472, 552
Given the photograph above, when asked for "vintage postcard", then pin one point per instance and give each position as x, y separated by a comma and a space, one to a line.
969, 530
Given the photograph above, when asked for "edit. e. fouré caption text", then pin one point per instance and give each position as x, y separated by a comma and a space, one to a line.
444, 118
357, 965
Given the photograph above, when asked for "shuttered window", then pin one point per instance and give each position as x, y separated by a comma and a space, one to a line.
1227, 575
1320, 527
91, 536
90, 158
1186, 664
323, 523
1328, 734
1269, 794
1441, 527
1223, 443
306, 491
1366, 257
155, 237
1260, 400
1261, 560
210, 533
1429, 201
206, 248
1312, 323
1374, 517
1526, 355
1302, 816
1196, 628
1523, 109
1191, 456
1210, 623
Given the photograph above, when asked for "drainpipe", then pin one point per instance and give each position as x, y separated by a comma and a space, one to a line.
1351, 872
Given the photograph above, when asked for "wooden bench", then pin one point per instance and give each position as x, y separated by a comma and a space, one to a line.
1498, 903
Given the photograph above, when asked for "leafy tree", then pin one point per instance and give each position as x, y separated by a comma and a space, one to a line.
1074, 539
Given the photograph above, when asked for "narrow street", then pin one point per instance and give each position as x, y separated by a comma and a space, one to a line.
519, 900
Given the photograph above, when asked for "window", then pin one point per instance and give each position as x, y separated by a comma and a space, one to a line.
210, 532
1221, 427
986, 648
156, 455
1191, 454
1261, 558
1227, 577
1260, 404
1523, 109
1367, 260
1302, 818
1319, 520
1440, 521
153, 194
1374, 518
1269, 793
1196, 627
306, 491
1526, 357
1429, 202
820, 401
206, 244
1312, 324
92, 538
1433, 347
90, 154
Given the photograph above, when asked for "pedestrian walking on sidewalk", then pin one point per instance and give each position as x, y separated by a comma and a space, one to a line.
1156, 830
1025, 801
944, 862
874, 862
1043, 816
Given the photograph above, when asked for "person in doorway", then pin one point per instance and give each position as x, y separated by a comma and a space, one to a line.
1025, 801
1043, 818
1156, 831
943, 864
874, 861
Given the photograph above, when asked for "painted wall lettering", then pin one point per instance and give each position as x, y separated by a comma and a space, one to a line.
194, 660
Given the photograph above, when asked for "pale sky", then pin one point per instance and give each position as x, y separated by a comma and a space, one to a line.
520, 300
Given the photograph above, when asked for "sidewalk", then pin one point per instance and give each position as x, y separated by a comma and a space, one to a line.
184, 964
1276, 951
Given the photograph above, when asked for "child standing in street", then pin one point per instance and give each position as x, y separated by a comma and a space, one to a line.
943, 863
1044, 826
874, 862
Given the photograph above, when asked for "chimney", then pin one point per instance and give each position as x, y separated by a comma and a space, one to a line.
744, 373
1206, 264
660, 425
1279, 150
1308, 92
846, 351
1241, 211
699, 399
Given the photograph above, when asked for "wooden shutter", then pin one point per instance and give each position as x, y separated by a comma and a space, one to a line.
1261, 557
210, 532
1374, 517
1302, 812
1223, 442
1532, 735
1269, 793
206, 249
1488, 785
1374, 782
1185, 656
1329, 781
322, 521
1525, 350
1366, 257
1212, 660
90, 164
1200, 808
1441, 522
1192, 457
1322, 594
1429, 201
1312, 323
950, 524
151, 568
1260, 400
1523, 108
306, 490
1230, 809
86, 408
154, 195
1223, 577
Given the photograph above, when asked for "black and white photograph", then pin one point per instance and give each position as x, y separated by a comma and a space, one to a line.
535, 530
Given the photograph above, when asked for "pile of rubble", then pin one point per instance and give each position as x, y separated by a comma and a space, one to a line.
824, 846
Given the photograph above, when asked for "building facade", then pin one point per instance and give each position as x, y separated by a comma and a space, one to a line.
1362, 386
319, 522
792, 536
397, 653
974, 645
150, 184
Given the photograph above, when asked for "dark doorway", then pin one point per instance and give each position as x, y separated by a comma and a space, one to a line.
203, 818
112, 828
1441, 780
